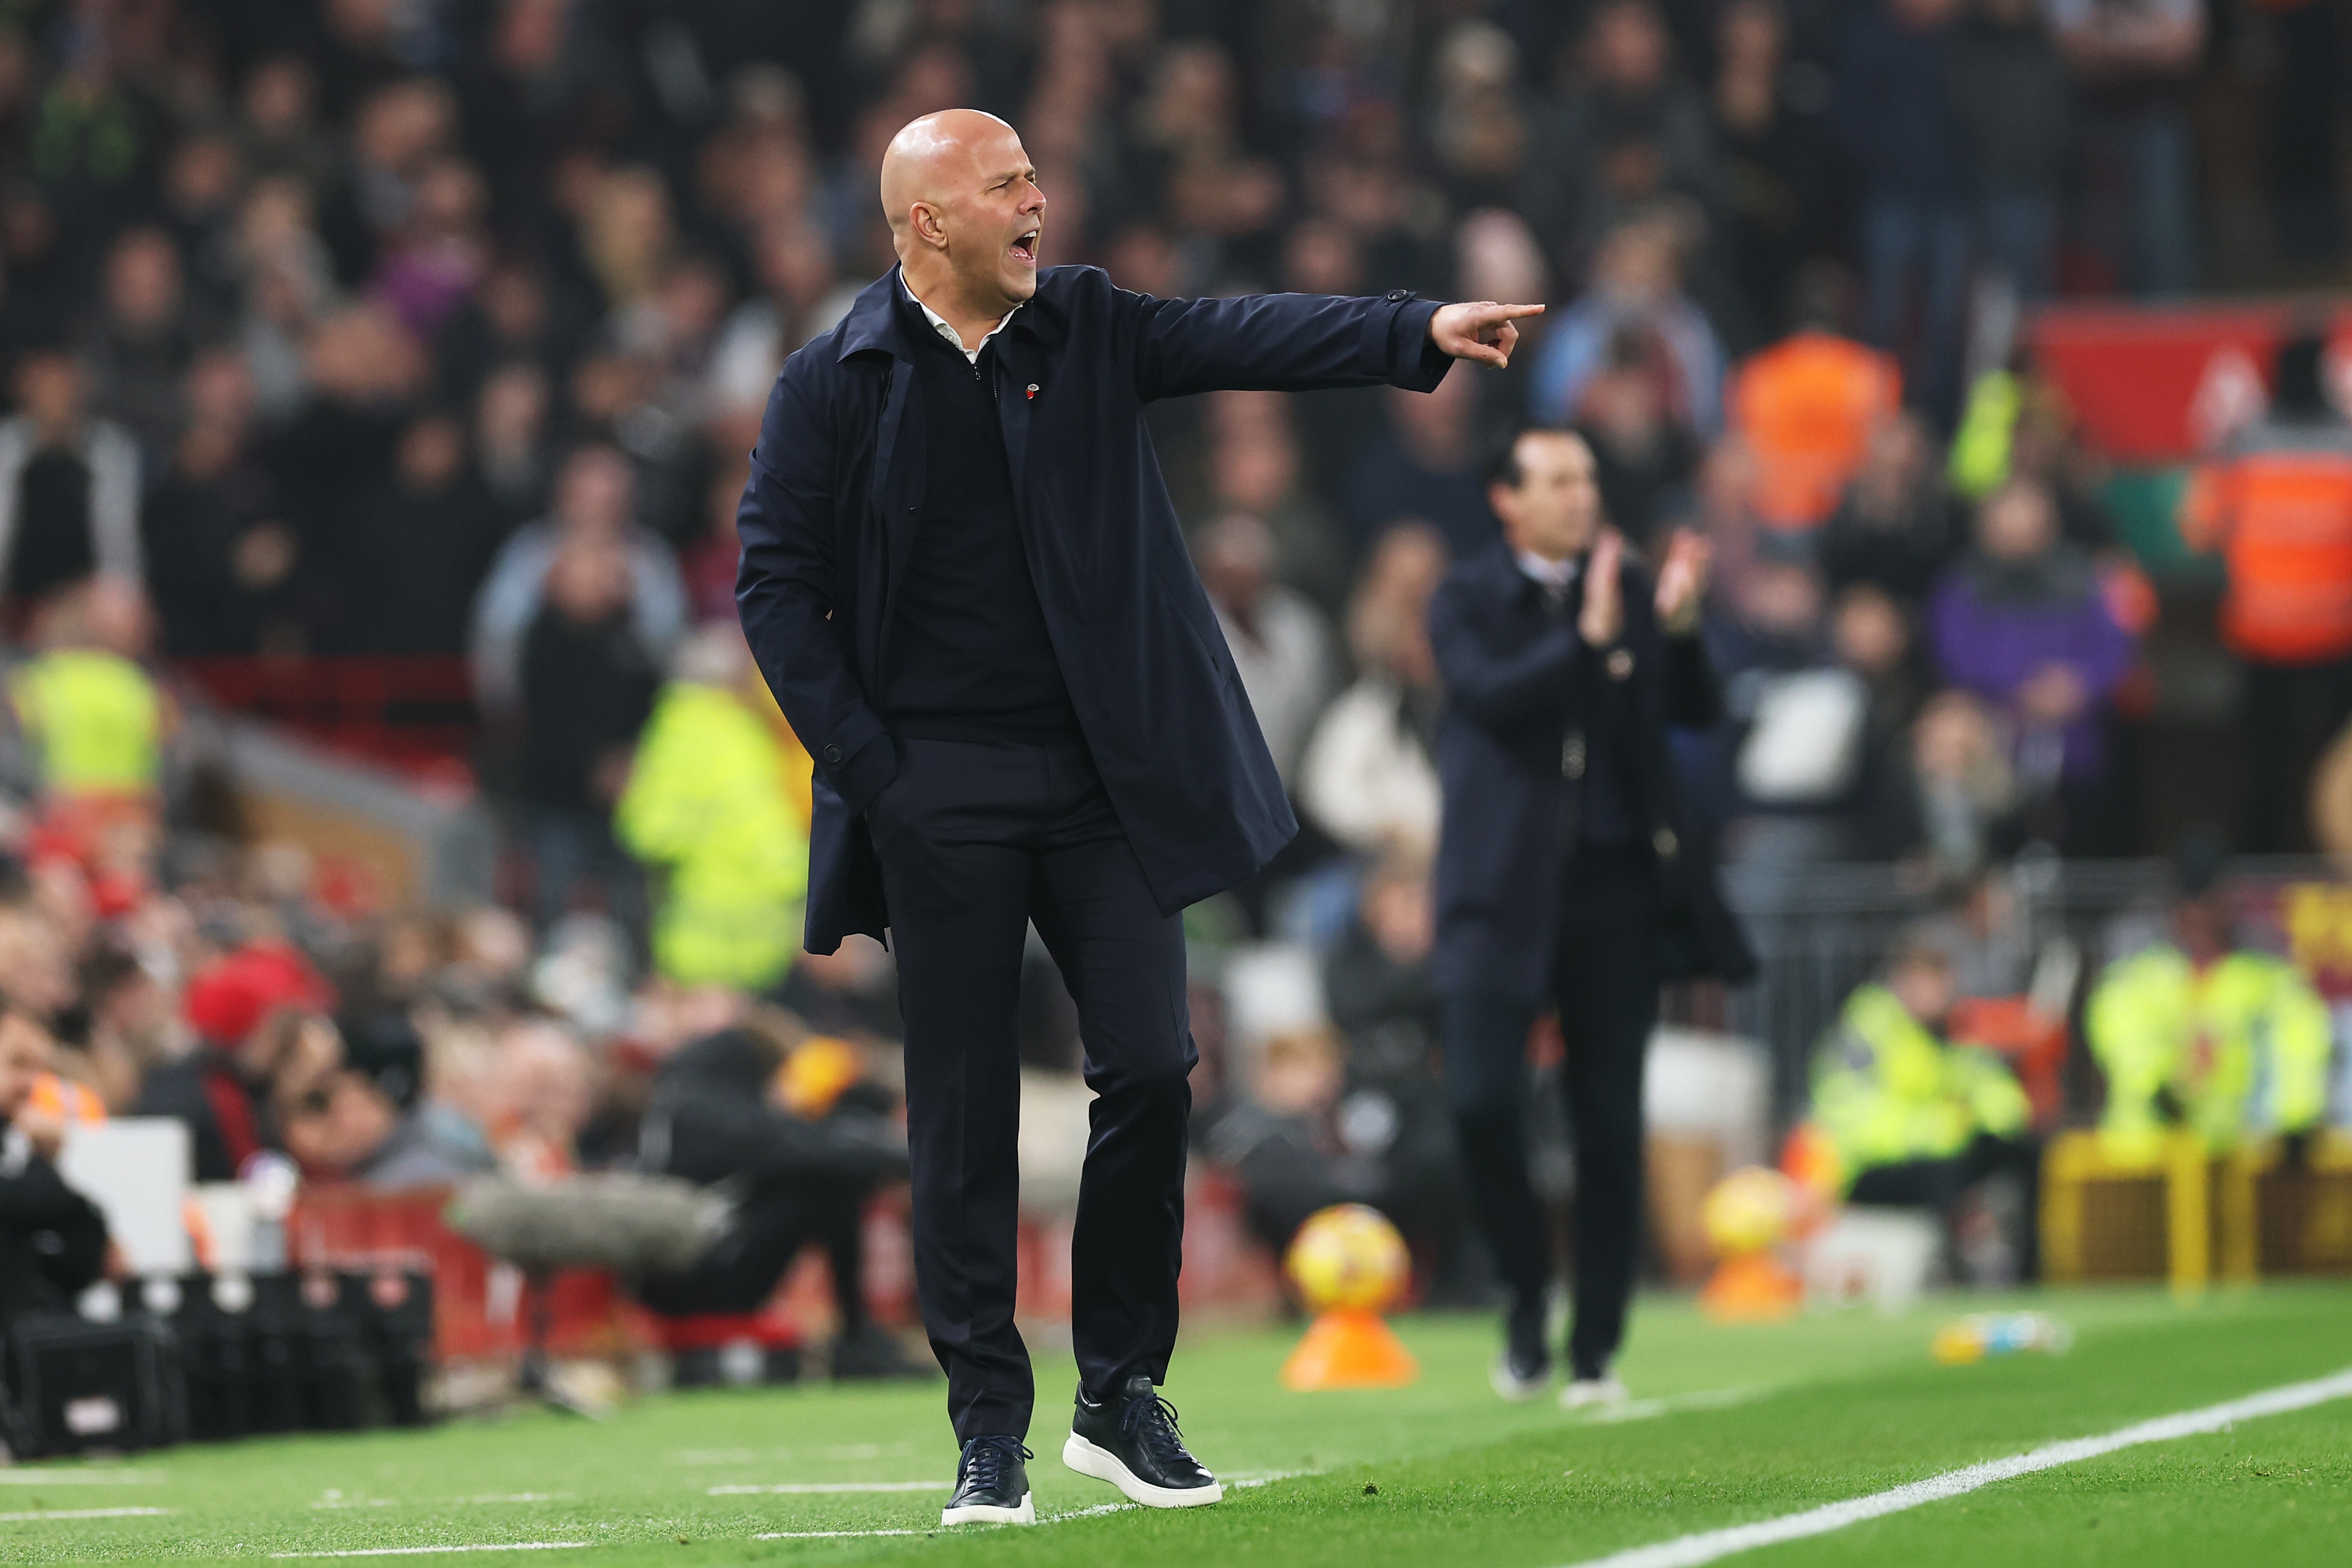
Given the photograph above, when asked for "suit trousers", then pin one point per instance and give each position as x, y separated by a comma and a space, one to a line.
1605, 984
977, 841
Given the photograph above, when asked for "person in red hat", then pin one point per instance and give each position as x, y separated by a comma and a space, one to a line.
263, 1038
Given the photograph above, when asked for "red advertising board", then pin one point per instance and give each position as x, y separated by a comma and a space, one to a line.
2154, 384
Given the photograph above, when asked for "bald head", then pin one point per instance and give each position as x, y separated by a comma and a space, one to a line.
965, 214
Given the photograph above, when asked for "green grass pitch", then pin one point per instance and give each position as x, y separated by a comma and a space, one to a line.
1734, 1424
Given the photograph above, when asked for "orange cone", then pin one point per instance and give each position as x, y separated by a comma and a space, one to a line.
1752, 1287
1347, 1349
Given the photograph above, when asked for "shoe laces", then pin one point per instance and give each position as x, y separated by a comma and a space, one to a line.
1152, 1423
987, 1460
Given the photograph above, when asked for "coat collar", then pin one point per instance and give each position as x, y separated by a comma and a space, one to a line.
875, 324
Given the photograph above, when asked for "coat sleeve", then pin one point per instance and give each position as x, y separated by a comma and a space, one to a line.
1498, 689
784, 592
1277, 343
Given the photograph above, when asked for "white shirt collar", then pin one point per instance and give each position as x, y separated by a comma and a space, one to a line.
1555, 575
939, 325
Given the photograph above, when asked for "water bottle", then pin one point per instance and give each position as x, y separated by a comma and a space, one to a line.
1983, 1334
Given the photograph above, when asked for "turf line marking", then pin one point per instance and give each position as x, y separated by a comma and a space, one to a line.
806, 1489
81, 1514
835, 1534
1648, 1410
428, 1550
1708, 1546
36, 1476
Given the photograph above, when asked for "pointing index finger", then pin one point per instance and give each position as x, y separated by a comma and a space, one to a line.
1499, 312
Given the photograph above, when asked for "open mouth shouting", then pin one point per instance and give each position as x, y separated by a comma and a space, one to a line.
1024, 248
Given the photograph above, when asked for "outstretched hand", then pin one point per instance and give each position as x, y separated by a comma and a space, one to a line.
1480, 331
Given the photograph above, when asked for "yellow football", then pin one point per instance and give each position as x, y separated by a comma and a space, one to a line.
1748, 1211
1347, 1257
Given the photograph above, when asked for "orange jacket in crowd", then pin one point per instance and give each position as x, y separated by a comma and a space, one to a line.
1807, 407
2278, 502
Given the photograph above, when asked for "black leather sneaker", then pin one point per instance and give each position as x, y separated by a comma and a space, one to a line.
1524, 1369
1130, 1440
992, 1484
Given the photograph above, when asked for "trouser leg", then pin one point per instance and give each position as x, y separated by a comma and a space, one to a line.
740, 1270
1123, 963
1608, 989
1486, 1038
951, 833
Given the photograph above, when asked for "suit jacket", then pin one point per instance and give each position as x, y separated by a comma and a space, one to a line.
1523, 692
837, 488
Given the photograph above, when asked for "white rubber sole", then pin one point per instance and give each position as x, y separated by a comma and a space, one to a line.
1510, 1387
1594, 1394
1104, 1466
1025, 1514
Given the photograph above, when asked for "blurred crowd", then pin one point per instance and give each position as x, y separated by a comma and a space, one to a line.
444, 328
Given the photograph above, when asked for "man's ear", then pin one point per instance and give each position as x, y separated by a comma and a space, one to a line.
928, 227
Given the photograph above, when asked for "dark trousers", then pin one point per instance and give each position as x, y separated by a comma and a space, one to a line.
739, 1270
2292, 713
976, 843
1940, 1185
1605, 984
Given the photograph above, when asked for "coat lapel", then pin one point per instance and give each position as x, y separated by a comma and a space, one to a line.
1024, 370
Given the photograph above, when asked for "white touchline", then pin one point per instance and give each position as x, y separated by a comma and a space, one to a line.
1648, 1410
81, 1514
1690, 1550
428, 1551
802, 1489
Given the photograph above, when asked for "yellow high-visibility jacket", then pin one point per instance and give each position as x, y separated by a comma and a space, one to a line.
1886, 1091
710, 804
95, 720
2243, 1047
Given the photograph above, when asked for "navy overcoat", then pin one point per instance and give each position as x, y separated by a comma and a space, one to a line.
1522, 692
830, 514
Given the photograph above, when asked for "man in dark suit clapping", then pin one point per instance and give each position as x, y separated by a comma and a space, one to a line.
1567, 871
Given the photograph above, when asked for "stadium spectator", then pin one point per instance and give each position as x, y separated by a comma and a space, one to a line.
1645, 457
1636, 288
1894, 528
1915, 1121
2024, 623
595, 499
94, 719
1810, 408
142, 345
366, 1124
536, 1100
588, 682
53, 1240
1894, 115
709, 808
1281, 645
1366, 778
421, 545
1626, 134
792, 1126
2203, 1033
69, 487
1778, 177
1383, 1001
263, 1041
1255, 467
1282, 1136
2012, 108
2276, 500
1422, 465
1963, 795
2135, 62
